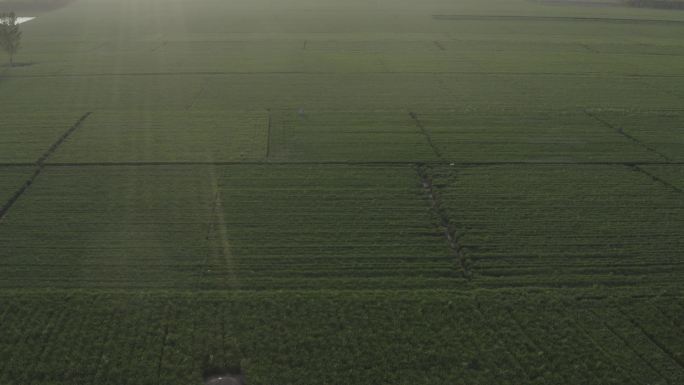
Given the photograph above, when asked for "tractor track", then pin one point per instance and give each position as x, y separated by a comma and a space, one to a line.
39, 166
657, 179
622, 132
426, 134
445, 223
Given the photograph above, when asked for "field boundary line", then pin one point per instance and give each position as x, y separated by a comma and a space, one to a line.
671, 320
17, 194
628, 345
425, 133
39, 166
47, 154
445, 224
653, 339
622, 132
657, 179
196, 96
579, 326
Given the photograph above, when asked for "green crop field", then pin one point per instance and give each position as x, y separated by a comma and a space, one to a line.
317, 192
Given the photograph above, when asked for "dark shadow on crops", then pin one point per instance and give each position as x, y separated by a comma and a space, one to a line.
222, 376
32, 6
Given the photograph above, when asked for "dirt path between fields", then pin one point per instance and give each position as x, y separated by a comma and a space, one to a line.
217, 235
445, 224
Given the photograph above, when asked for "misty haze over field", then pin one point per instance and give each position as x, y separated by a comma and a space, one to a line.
331, 192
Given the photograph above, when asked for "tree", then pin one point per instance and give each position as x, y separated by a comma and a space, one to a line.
10, 36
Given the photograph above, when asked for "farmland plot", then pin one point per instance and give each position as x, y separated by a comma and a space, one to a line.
542, 137
26, 140
661, 132
566, 92
102, 92
235, 227
425, 91
524, 93
322, 92
670, 175
108, 227
149, 136
574, 57
348, 136
336, 243
564, 226
11, 179
225, 57
331, 227
371, 337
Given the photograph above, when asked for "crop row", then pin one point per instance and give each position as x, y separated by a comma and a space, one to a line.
312, 55
338, 92
319, 338
566, 226
233, 227
535, 137
154, 136
672, 176
660, 131
11, 179
339, 226
357, 136
25, 138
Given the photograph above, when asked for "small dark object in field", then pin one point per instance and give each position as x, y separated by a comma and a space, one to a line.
216, 376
